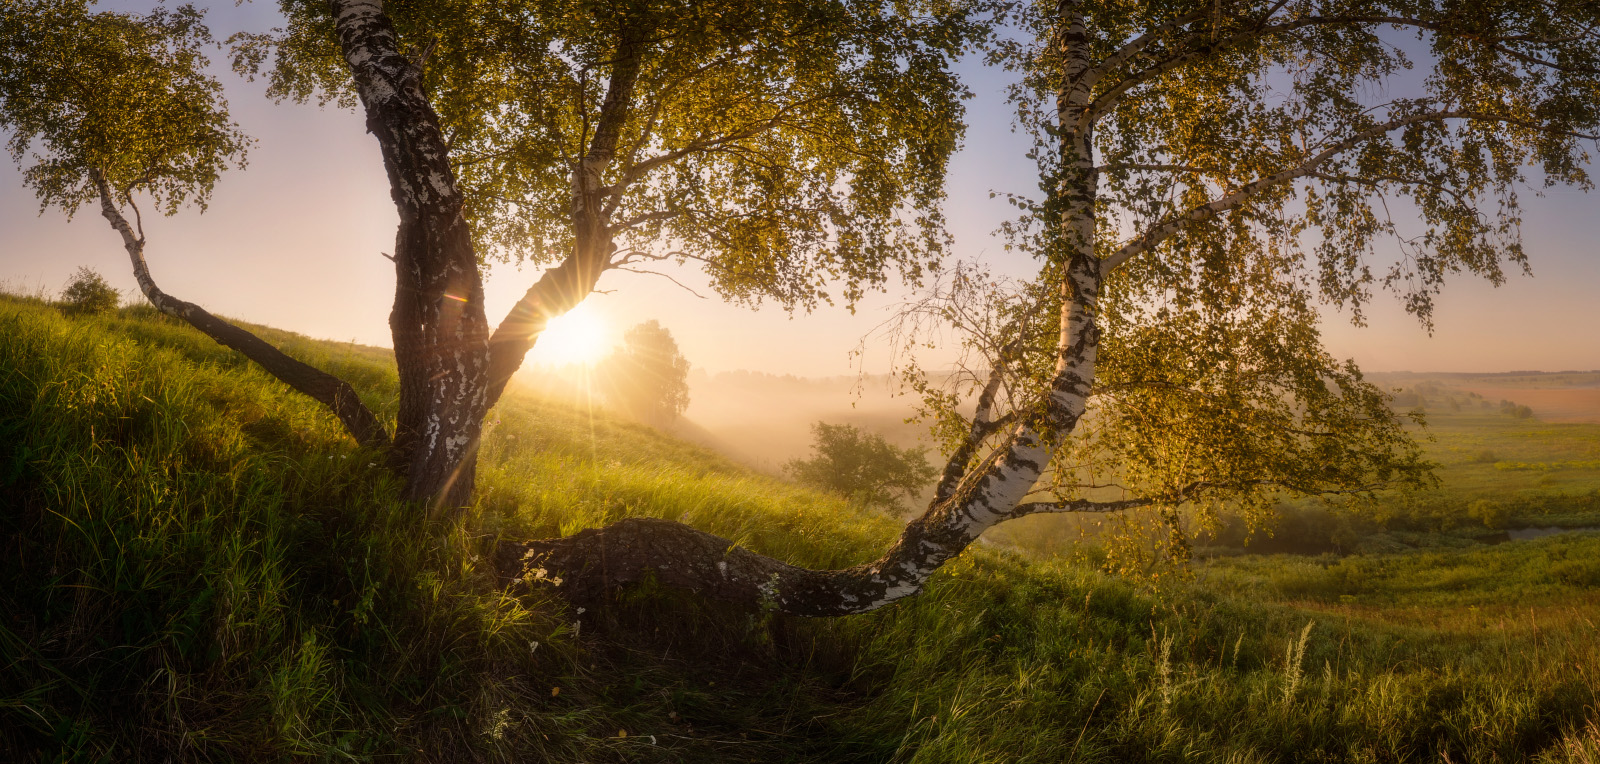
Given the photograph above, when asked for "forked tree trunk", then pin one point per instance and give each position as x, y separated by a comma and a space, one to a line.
451, 369
441, 334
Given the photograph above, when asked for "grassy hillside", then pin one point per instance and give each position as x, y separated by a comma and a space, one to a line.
198, 566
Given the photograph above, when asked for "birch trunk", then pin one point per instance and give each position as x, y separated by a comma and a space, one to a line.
588, 564
441, 335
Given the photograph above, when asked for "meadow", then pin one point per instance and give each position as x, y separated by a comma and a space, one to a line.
199, 566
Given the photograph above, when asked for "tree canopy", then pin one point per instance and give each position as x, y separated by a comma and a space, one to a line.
118, 95
1214, 171
1211, 170
789, 147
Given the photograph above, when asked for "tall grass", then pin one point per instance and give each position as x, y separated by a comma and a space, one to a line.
199, 566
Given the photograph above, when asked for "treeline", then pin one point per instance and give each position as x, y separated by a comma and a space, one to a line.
1432, 395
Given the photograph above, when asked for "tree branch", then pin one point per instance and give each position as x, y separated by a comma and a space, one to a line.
330, 391
1166, 229
557, 291
638, 170
1078, 505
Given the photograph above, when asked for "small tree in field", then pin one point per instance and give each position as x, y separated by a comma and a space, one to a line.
88, 294
647, 377
864, 467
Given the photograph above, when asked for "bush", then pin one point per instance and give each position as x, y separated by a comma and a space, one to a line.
863, 467
1492, 514
88, 293
1515, 411
1577, 572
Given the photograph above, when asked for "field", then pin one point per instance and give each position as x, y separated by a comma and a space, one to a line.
198, 566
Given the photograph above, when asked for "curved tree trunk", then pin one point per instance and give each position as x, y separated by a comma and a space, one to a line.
321, 386
587, 564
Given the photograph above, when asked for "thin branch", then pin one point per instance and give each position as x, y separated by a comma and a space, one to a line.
1138, 45
750, 130
1161, 168
680, 284
1165, 230
1078, 505
641, 219
330, 391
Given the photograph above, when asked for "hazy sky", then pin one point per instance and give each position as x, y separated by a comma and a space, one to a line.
294, 241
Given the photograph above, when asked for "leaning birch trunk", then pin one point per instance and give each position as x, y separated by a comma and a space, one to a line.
587, 565
319, 385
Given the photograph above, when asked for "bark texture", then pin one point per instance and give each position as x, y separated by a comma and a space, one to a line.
441, 335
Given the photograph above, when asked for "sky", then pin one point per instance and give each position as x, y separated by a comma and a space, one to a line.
294, 241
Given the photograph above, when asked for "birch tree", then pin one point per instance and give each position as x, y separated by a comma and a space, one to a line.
789, 148
1210, 171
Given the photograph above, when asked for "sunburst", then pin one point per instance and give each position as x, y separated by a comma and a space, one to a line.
578, 336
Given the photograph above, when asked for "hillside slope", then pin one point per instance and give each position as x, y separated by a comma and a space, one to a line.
199, 566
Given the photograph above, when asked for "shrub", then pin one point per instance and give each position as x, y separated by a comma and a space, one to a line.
1492, 514
88, 293
1577, 572
863, 466
1515, 411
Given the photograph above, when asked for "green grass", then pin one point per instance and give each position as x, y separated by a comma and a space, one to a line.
199, 566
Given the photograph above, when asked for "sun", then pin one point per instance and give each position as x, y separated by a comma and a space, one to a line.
578, 336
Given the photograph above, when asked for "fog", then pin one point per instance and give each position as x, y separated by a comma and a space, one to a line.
764, 420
